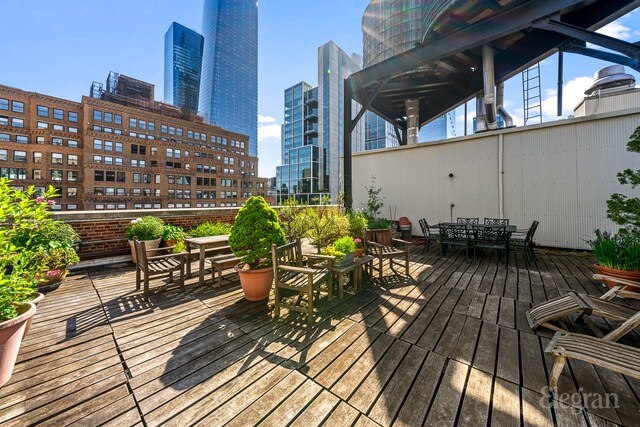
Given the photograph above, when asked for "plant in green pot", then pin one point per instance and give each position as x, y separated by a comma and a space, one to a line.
255, 229
148, 228
343, 249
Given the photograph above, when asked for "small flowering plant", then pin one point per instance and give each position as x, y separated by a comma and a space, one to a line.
621, 252
358, 242
145, 228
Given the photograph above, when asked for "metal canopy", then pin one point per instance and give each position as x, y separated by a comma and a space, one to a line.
446, 69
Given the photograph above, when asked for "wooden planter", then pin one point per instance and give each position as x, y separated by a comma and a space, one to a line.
149, 244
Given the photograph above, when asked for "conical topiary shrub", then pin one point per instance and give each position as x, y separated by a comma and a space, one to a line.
255, 229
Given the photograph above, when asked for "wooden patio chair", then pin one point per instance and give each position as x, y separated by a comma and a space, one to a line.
302, 274
157, 266
380, 244
428, 235
604, 352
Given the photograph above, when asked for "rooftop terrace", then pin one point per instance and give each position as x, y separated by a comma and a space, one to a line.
451, 347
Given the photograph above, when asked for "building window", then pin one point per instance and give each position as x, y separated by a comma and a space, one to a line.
172, 130
72, 129
56, 175
163, 128
120, 192
97, 144
108, 146
43, 111
111, 176
72, 143
72, 207
108, 117
72, 159
72, 176
17, 106
58, 127
20, 156
133, 123
72, 117
56, 141
4, 104
136, 177
97, 115
97, 158
72, 192
58, 114
108, 160
142, 124
98, 191
42, 125
56, 158
117, 119
119, 161
151, 126
120, 177
5, 137
37, 174
4, 121
17, 123
110, 191
4, 155
119, 147
22, 139
98, 175
37, 157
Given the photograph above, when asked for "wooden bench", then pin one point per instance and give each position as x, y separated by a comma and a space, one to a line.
219, 263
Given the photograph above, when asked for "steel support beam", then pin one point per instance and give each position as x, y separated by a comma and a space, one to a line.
628, 49
346, 147
370, 99
603, 55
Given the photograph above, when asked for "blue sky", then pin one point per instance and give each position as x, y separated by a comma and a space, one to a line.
59, 47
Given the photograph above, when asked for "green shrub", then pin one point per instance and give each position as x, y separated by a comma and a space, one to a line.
623, 210
180, 246
357, 222
295, 219
173, 232
145, 228
210, 229
255, 229
621, 252
327, 226
345, 245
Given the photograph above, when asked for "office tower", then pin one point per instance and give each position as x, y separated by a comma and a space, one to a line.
182, 66
312, 132
229, 84
441, 128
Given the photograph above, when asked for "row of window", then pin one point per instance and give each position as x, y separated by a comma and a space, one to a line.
24, 139
21, 157
17, 122
58, 114
55, 126
16, 106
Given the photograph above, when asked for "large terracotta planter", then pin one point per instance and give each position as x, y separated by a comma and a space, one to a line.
621, 274
149, 244
37, 297
52, 282
256, 284
11, 333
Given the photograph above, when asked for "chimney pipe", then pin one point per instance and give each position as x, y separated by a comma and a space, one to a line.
412, 107
508, 121
489, 86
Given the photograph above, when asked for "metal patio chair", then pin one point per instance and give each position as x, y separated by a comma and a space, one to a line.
429, 236
454, 235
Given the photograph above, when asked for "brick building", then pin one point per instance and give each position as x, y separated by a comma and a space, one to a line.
120, 149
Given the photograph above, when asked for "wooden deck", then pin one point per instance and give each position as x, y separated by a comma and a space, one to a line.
451, 348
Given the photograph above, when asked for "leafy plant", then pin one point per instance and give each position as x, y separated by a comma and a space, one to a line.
357, 222
378, 223
327, 226
22, 214
210, 229
345, 245
180, 246
623, 210
59, 258
255, 229
295, 219
173, 232
358, 242
145, 228
619, 251
374, 199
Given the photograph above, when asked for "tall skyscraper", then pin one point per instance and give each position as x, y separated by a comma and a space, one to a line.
229, 85
312, 139
182, 66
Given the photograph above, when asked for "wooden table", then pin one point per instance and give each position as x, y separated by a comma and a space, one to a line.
355, 269
203, 243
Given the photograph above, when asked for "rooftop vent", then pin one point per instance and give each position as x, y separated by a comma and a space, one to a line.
610, 79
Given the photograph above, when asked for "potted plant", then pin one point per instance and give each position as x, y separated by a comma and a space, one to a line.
172, 234
57, 260
359, 247
148, 228
255, 229
210, 228
21, 213
343, 249
619, 255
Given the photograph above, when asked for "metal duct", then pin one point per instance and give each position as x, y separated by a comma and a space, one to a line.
481, 118
508, 121
412, 107
489, 86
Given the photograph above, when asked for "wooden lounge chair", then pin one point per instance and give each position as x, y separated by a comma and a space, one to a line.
622, 288
292, 272
572, 303
604, 352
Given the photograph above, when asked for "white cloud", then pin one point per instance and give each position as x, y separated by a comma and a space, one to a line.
616, 30
266, 119
572, 93
268, 132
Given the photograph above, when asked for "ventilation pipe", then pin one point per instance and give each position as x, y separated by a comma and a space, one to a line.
412, 107
481, 118
489, 87
508, 121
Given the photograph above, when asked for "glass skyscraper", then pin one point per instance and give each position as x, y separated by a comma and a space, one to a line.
182, 65
229, 86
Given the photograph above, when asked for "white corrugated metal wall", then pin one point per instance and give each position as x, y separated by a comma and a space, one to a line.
560, 174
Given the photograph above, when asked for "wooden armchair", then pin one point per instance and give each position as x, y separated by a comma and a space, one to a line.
155, 266
381, 245
293, 271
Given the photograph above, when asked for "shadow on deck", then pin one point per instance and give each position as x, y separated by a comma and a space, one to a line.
451, 347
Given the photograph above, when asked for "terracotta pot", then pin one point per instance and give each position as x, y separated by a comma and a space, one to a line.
621, 274
51, 283
150, 244
37, 297
169, 243
11, 333
256, 284
359, 252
